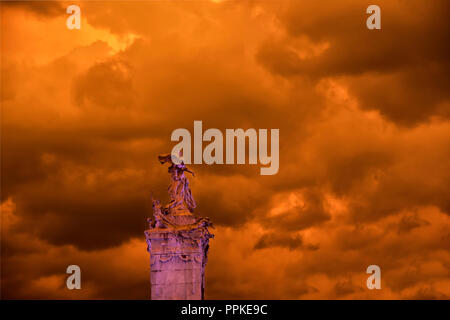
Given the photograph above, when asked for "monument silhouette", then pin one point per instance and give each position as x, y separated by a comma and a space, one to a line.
177, 240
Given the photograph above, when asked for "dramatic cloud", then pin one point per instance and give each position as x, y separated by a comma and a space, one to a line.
364, 145
397, 70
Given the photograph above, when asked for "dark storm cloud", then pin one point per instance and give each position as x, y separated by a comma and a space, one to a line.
417, 93
81, 129
113, 85
275, 239
344, 287
410, 222
42, 9
40, 161
408, 57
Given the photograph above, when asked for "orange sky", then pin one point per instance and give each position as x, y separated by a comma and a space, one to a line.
364, 145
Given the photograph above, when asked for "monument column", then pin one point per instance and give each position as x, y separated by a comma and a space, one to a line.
177, 263
178, 242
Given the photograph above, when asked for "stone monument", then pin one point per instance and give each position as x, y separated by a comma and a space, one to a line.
177, 241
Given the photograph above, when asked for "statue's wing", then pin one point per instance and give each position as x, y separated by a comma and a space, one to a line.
169, 158
165, 158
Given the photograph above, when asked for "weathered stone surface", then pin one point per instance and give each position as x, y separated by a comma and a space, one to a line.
178, 242
177, 263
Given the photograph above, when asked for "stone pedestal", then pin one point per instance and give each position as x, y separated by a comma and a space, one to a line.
178, 258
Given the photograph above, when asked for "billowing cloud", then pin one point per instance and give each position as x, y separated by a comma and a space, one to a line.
364, 136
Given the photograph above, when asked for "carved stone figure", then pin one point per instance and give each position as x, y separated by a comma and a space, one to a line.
179, 191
